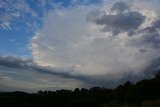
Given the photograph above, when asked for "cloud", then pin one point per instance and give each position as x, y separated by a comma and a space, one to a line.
120, 6
89, 45
121, 22
156, 25
118, 22
31, 77
150, 36
28, 64
10, 61
72, 42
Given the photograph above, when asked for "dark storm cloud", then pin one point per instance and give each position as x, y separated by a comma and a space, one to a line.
121, 22
52, 72
105, 80
28, 64
16, 76
119, 6
15, 62
18, 63
100, 80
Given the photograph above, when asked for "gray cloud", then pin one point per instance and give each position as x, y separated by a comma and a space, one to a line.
152, 39
10, 61
19, 72
151, 35
118, 22
156, 24
27, 64
121, 22
120, 6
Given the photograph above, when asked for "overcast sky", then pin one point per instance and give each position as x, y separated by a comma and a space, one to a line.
54, 44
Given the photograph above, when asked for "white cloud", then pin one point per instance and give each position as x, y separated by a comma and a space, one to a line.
69, 43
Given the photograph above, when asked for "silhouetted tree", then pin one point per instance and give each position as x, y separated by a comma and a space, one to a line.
145, 93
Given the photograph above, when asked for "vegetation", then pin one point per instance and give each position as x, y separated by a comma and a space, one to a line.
145, 93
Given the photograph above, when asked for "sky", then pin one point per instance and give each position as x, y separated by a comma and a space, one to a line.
68, 44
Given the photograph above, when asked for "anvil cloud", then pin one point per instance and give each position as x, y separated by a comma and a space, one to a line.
110, 42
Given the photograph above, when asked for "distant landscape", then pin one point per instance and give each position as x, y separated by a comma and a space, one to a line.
145, 93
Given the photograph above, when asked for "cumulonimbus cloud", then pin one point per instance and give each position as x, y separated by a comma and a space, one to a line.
112, 41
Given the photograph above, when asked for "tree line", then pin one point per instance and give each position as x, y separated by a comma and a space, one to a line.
145, 93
